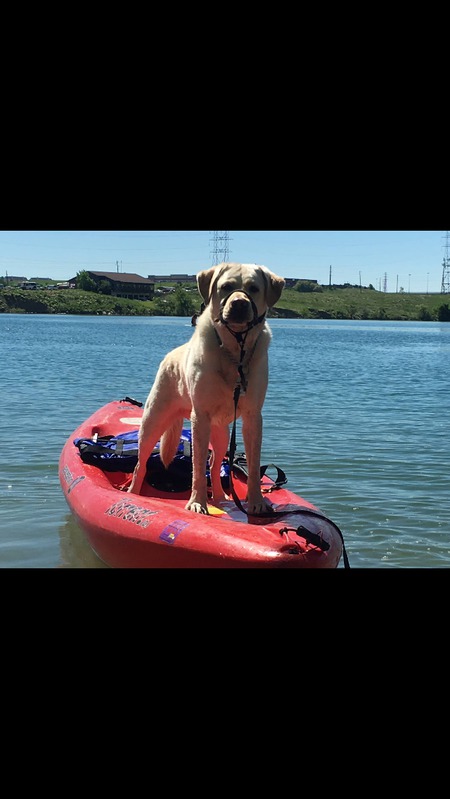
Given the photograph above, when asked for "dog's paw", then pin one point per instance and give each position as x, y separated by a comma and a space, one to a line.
259, 507
137, 481
196, 507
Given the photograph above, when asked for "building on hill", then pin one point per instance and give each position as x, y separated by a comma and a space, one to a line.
291, 281
124, 284
177, 278
11, 280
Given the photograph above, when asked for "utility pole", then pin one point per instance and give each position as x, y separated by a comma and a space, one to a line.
330, 278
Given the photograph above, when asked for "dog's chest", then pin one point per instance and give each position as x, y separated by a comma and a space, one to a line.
231, 370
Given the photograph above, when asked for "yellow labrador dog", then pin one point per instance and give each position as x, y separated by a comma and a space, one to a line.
197, 380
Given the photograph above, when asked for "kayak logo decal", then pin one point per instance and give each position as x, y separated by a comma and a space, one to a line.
172, 531
75, 482
129, 512
70, 480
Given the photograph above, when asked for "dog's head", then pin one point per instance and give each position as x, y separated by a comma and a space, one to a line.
239, 295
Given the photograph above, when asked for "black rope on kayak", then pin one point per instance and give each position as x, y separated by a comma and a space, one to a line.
310, 538
132, 401
301, 531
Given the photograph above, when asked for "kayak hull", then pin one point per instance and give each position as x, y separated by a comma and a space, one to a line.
154, 530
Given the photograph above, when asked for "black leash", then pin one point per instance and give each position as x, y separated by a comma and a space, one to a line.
303, 532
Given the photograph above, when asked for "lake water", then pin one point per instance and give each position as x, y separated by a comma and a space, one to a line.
356, 414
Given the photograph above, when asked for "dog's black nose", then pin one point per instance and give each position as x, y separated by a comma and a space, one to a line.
239, 305
238, 310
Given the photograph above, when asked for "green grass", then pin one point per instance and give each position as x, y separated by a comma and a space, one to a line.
355, 303
69, 301
330, 303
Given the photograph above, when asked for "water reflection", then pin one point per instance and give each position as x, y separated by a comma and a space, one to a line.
76, 552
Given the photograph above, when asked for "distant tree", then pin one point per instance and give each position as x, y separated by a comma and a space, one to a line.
304, 285
424, 314
159, 307
85, 282
183, 304
178, 303
104, 287
443, 313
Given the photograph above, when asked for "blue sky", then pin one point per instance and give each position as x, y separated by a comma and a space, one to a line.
410, 259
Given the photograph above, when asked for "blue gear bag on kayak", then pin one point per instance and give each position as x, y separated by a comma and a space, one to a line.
120, 454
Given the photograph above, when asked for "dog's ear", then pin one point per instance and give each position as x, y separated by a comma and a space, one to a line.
274, 288
204, 280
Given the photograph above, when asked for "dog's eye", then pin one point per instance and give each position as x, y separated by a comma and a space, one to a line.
227, 287
253, 289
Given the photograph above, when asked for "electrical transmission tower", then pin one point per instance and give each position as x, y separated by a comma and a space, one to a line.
221, 250
445, 287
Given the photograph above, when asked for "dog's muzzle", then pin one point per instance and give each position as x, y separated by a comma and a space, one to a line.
238, 309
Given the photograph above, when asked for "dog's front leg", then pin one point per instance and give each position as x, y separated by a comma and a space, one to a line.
198, 501
219, 444
252, 435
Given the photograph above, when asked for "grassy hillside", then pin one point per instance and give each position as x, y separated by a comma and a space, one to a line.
330, 303
355, 303
68, 301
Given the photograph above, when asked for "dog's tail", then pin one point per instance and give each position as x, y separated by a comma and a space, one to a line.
170, 440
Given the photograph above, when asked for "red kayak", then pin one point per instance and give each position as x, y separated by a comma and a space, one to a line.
153, 530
